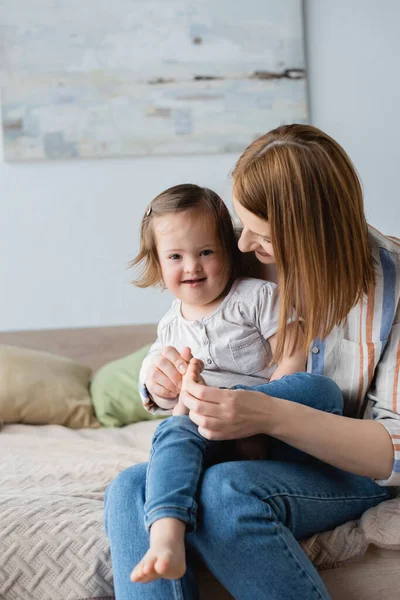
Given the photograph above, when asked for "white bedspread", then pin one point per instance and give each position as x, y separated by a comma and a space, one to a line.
52, 483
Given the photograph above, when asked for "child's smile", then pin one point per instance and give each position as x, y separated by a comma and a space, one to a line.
194, 282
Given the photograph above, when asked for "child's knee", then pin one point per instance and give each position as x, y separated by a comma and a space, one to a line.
326, 393
316, 391
333, 394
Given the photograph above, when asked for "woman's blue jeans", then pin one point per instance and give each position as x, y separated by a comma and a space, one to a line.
248, 513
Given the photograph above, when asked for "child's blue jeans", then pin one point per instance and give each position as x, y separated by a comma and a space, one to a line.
179, 454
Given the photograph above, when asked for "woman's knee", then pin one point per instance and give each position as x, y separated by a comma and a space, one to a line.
229, 496
217, 503
125, 493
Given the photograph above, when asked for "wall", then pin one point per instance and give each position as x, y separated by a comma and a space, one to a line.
68, 229
353, 52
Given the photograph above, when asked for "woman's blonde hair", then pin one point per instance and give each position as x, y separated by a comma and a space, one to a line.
303, 183
178, 199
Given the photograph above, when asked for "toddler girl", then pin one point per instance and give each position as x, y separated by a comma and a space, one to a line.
229, 323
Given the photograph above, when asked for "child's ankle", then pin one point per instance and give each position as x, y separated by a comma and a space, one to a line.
167, 529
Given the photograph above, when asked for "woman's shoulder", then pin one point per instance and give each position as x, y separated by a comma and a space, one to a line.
386, 254
372, 318
384, 244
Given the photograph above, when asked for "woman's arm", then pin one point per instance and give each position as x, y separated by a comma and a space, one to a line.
360, 446
292, 362
384, 396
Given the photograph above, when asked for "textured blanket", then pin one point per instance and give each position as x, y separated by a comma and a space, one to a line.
52, 483
52, 541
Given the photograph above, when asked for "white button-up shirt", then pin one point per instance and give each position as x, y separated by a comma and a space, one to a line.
232, 342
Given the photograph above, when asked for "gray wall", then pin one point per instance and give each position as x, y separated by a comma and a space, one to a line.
353, 54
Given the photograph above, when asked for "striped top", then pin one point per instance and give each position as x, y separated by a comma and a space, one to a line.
362, 355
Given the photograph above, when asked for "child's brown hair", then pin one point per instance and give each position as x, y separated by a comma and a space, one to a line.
178, 199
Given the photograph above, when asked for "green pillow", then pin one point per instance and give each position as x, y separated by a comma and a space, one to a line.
114, 390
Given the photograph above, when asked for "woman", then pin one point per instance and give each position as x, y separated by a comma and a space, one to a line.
300, 203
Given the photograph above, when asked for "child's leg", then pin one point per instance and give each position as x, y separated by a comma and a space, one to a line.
174, 470
316, 391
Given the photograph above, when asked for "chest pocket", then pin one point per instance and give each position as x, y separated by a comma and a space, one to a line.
249, 354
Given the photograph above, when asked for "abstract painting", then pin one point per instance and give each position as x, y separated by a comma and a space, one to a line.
90, 79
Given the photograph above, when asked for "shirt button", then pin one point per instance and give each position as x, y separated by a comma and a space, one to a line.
315, 350
205, 342
209, 361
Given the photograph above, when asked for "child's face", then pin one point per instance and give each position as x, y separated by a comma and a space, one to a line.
191, 257
256, 235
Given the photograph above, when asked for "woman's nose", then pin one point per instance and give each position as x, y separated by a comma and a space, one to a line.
244, 243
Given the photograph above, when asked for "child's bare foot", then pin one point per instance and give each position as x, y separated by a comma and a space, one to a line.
180, 409
194, 369
193, 373
166, 555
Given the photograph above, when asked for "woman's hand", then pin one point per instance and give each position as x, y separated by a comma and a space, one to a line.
339, 441
165, 370
225, 414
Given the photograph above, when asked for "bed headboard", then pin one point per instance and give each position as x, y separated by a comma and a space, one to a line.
93, 346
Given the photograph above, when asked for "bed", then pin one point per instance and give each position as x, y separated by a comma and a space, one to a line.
52, 482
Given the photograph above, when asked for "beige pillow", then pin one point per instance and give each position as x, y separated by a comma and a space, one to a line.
40, 388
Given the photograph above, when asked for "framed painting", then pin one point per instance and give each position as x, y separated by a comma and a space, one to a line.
89, 79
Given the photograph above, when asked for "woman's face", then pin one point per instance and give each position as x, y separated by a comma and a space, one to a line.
256, 235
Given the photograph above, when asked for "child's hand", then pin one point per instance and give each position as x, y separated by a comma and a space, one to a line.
196, 366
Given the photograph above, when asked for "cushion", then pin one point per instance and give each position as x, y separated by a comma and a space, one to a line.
379, 526
40, 388
115, 394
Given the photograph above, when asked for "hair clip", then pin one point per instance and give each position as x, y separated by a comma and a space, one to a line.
148, 212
